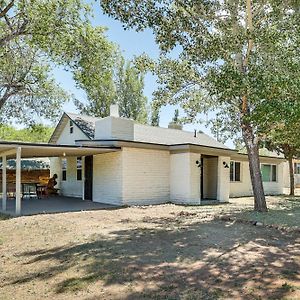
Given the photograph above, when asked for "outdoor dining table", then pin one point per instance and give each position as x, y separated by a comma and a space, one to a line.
28, 188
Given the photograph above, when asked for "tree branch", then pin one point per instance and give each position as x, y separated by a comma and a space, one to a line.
6, 9
249, 26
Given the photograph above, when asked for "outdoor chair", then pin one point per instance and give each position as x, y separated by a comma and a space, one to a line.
41, 191
11, 191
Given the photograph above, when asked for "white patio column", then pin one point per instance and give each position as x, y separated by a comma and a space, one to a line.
4, 187
223, 179
18, 181
82, 175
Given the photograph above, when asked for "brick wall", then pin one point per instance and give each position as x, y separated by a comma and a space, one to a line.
146, 176
107, 178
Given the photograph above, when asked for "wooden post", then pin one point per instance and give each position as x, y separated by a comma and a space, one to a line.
18, 181
4, 187
82, 176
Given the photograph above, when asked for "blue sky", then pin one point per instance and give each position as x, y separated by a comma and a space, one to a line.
131, 43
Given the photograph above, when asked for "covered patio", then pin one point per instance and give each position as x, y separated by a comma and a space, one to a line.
57, 204
19, 150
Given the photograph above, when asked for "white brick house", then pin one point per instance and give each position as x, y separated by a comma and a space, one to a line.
151, 165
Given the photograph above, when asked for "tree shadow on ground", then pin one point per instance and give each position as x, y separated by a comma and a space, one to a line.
199, 261
286, 213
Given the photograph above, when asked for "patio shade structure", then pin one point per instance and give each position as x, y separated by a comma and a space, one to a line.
19, 150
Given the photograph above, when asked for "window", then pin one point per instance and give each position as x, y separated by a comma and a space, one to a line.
235, 171
269, 173
71, 127
64, 169
296, 168
79, 168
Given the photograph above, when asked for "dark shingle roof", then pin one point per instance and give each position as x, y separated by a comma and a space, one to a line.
150, 134
85, 123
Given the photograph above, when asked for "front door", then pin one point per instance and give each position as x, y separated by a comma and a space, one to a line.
88, 175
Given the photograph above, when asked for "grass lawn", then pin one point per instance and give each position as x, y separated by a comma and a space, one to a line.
283, 211
157, 252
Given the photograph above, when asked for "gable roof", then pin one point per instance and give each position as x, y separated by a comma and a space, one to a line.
168, 136
142, 133
85, 123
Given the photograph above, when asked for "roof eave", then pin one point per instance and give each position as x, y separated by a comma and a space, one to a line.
59, 124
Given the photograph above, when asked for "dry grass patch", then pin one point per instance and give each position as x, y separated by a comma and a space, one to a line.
284, 211
158, 252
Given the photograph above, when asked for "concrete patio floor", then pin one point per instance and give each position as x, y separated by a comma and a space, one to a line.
34, 206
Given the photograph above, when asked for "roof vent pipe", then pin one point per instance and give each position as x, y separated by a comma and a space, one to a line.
114, 110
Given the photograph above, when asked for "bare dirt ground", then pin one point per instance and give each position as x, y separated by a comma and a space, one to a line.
157, 252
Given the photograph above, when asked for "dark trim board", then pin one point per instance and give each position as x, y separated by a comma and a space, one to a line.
159, 144
56, 145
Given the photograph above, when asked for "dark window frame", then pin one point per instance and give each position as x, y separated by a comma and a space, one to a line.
71, 127
64, 167
64, 175
297, 168
79, 168
235, 171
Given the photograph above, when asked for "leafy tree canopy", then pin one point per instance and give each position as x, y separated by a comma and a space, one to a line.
36, 35
238, 58
34, 133
120, 84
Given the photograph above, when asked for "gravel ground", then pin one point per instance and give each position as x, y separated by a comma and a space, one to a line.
156, 252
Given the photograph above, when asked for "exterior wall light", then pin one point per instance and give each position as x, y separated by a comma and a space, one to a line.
198, 163
225, 164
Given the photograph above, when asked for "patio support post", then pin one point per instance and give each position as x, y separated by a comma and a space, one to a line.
82, 175
4, 187
18, 181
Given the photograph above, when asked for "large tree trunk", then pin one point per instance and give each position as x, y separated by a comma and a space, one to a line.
292, 179
254, 166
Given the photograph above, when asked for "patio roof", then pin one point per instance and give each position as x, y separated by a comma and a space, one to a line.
21, 150
31, 150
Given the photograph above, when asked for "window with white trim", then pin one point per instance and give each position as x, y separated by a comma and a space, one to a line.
269, 173
79, 168
71, 127
235, 171
64, 169
296, 168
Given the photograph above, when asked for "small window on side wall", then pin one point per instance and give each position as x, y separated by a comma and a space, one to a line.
79, 168
235, 171
296, 168
71, 127
64, 169
269, 173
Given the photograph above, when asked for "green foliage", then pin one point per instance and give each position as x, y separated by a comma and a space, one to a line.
26, 87
116, 82
155, 115
34, 133
129, 92
282, 135
35, 36
213, 69
236, 58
